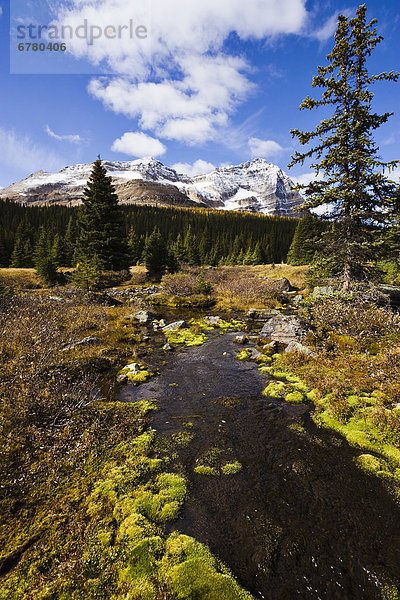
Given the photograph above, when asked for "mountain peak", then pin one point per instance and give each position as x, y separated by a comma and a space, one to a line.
253, 186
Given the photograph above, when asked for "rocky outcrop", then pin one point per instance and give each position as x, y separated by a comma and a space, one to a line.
284, 329
300, 349
87, 341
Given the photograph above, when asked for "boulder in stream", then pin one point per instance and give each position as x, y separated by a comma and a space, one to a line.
175, 326
144, 316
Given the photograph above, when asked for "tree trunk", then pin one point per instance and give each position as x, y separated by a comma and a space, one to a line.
347, 278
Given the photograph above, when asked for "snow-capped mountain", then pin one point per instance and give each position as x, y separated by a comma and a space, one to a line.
256, 186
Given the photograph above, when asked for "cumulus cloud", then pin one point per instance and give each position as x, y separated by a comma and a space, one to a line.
264, 148
22, 154
138, 144
182, 83
199, 167
71, 138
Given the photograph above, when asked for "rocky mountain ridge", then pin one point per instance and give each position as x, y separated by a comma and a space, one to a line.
256, 186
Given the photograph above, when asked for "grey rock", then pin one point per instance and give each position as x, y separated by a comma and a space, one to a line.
284, 329
297, 300
212, 320
300, 349
325, 291
253, 338
270, 346
87, 341
240, 339
133, 368
102, 299
144, 316
255, 354
56, 299
392, 292
167, 347
252, 313
281, 285
174, 326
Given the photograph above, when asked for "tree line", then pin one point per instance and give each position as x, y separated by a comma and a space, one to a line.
192, 236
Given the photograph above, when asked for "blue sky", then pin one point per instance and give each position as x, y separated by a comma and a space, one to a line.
217, 82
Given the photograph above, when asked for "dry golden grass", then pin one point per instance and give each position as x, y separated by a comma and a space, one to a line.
20, 278
238, 287
296, 275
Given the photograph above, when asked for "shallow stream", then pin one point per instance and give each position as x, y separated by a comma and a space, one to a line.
300, 520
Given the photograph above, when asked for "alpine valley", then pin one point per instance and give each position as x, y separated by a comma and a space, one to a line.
256, 186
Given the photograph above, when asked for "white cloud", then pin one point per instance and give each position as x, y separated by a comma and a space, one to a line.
138, 144
72, 139
183, 85
199, 167
305, 178
329, 27
24, 155
327, 30
264, 148
394, 174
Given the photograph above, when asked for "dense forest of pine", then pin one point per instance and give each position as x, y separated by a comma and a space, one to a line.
196, 237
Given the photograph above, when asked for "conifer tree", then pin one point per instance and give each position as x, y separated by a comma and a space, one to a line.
304, 244
3, 249
155, 254
353, 182
70, 238
101, 226
58, 251
179, 250
22, 255
45, 261
135, 247
258, 256
88, 273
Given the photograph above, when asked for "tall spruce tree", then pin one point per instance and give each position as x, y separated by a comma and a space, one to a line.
155, 254
353, 183
101, 226
306, 237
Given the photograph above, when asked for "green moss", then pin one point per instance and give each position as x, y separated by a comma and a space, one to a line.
231, 468
244, 354
232, 325
230, 402
135, 373
295, 397
275, 389
193, 572
182, 438
144, 407
266, 370
142, 588
205, 470
263, 359
140, 377
186, 337
313, 395
390, 592
369, 463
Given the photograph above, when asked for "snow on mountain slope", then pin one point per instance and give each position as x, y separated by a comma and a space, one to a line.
256, 186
